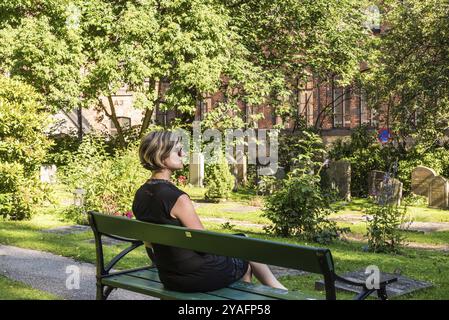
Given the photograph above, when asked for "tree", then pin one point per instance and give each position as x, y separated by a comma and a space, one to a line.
39, 46
409, 75
292, 40
183, 48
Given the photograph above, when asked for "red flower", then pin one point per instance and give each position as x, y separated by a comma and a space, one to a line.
129, 215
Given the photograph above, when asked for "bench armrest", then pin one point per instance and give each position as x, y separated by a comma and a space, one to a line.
118, 257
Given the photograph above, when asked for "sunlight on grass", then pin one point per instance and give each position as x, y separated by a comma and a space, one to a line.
14, 290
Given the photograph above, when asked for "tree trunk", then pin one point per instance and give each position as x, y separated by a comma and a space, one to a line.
113, 117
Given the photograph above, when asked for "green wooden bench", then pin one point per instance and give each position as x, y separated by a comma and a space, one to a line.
145, 280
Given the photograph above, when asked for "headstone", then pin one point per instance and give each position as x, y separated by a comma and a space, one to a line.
78, 197
403, 286
240, 170
280, 174
390, 192
48, 174
339, 174
438, 193
375, 178
196, 169
421, 177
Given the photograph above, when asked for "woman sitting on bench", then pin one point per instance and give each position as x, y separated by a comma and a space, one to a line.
160, 201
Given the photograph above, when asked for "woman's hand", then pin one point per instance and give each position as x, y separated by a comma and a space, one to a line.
184, 211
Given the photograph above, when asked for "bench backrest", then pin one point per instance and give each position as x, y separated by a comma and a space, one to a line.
309, 259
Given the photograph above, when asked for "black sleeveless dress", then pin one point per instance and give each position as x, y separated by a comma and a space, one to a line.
181, 269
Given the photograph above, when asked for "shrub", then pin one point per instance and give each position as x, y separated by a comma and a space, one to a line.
365, 154
75, 214
383, 229
63, 148
415, 200
15, 200
219, 179
437, 159
110, 182
300, 206
23, 147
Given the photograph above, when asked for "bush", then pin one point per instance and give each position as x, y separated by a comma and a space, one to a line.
415, 200
23, 147
300, 207
383, 230
110, 182
219, 179
437, 159
64, 146
75, 214
15, 200
365, 154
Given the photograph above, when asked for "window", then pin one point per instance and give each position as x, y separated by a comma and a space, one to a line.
347, 108
367, 115
338, 111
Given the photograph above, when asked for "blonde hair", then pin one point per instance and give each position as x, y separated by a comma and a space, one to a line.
155, 147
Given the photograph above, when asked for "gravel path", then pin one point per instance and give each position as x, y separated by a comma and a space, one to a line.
47, 272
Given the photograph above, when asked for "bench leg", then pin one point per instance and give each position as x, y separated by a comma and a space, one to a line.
382, 293
100, 292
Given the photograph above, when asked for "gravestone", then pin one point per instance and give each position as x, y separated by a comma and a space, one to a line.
390, 192
240, 170
438, 193
403, 286
421, 178
48, 174
196, 169
280, 174
339, 174
375, 178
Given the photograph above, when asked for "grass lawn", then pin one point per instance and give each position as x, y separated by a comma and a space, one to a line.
14, 290
428, 265
422, 264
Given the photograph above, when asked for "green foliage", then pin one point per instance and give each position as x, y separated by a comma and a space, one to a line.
289, 39
409, 70
219, 179
64, 146
38, 47
304, 142
22, 125
436, 158
110, 182
300, 206
74, 214
23, 147
415, 200
365, 154
383, 228
15, 202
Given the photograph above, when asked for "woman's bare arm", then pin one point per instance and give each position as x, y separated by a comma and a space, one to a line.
184, 211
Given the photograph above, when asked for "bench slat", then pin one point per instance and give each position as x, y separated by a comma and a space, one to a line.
269, 252
238, 289
153, 288
227, 293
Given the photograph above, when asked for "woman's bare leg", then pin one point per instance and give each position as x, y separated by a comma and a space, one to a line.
248, 275
265, 276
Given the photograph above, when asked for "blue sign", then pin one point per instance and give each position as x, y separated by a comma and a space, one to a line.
384, 135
